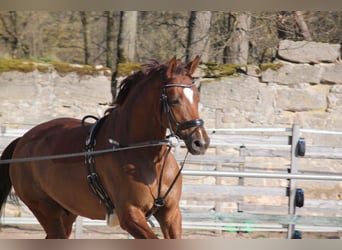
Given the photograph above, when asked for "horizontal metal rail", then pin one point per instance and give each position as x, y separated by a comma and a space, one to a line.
203, 225
317, 131
19, 132
214, 225
261, 175
269, 130
85, 153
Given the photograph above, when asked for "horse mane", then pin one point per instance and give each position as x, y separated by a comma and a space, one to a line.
132, 80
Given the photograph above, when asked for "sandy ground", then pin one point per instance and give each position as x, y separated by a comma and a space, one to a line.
103, 232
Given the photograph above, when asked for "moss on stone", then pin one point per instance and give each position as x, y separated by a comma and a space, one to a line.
220, 70
43, 68
61, 67
18, 65
66, 68
124, 69
272, 66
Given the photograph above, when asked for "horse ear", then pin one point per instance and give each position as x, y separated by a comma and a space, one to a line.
171, 67
192, 66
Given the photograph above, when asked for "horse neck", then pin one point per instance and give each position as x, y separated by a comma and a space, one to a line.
139, 118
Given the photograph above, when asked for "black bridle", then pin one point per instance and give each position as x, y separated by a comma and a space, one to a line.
170, 116
195, 123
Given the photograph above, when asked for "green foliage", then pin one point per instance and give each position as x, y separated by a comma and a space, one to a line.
44, 60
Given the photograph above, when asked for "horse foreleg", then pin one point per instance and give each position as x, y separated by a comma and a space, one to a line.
50, 216
68, 220
133, 220
170, 222
53, 227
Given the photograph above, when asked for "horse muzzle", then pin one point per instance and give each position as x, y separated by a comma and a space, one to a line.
198, 141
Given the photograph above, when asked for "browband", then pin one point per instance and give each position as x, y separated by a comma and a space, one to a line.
182, 85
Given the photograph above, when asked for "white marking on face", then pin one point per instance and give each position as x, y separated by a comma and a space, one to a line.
189, 93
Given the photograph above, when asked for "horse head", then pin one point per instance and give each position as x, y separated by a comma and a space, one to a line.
180, 98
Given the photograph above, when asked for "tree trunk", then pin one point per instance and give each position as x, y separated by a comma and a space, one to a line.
238, 48
110, 42
85, 31
291, 25
10, 34
127, 35
302, 25
198, 36
229, 26
111, 56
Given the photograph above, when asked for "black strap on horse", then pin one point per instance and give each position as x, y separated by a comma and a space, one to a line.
92, 177
170, 116
95, 182
160, 200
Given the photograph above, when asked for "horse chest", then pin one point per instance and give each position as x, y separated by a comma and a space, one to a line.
145, 173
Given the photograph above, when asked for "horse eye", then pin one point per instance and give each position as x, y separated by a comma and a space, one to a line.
174, 101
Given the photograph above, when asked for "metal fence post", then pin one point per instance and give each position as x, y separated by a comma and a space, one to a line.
292, 182
78, 227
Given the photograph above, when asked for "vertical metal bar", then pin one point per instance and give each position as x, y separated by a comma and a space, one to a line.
293, 182
241, 169
218, 181
241, 180
78, 227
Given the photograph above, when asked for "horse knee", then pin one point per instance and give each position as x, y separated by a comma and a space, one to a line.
128, 220
134, 222
170, 224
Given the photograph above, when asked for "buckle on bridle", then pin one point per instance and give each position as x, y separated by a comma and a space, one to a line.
159, 202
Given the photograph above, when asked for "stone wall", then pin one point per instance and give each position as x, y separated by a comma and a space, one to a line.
306, 89
303, 85
27, 99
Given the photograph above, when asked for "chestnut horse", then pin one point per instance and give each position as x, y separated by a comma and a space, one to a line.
131, 184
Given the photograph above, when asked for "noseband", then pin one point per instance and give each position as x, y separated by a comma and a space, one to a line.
196, 123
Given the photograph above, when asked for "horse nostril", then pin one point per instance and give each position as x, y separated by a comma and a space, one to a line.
197, 143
